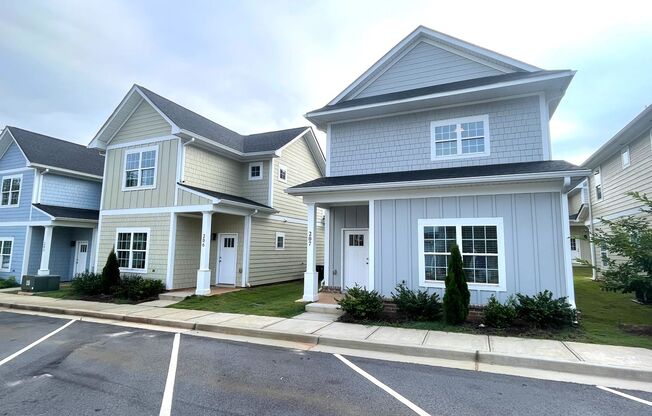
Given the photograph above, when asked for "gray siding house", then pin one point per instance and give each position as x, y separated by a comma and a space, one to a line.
443, 142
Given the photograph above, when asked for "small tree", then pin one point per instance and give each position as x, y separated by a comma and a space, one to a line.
110, 272
457, 296
630, 238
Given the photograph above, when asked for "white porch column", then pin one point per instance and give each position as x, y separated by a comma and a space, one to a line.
371, 259
310, 277
204, 272
44, 270
246, 247
327, 246
568, 262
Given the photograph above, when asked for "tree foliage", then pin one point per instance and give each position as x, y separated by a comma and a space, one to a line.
457, 295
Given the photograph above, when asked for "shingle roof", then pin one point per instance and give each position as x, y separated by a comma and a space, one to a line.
227, 197
67, 212
189, 120
46, 150
435, 89
547, 166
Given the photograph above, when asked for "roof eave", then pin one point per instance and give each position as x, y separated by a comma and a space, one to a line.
68, 172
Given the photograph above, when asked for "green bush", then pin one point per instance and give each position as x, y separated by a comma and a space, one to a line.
418, 306
111, 272
542, 311
500, 315
8, 282
457, 295
136, 288
88, 284
360, 304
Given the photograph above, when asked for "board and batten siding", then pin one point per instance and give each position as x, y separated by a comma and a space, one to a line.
302, 168
157, 251
423, 66
533, 240
161, 196
403, 142
144, 123
343, 217
66, 191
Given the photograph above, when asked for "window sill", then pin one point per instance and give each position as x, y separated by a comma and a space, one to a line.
125, 270
258, 178
462, 156
10, 206
487, 287
138, 188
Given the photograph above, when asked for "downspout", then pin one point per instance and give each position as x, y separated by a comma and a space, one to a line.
246, 249
568, 266
594, 273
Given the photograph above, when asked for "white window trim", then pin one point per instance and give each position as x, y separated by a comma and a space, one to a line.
124, 168
502, 270
487, 139
20, 191
600, 197
276, 241
255, 178
132, 231
622, 158
11, 255
282, 168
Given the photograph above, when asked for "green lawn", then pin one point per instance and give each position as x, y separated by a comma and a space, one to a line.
604, 313
64, 292
273, 300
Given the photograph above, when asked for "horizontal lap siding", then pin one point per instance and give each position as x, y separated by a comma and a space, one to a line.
186, 255
189, 198
402, 142
231, 224
423, 66
159, 225
268, 265
22, 211
70, 192
144, 123
17, 251
161, 196
580, 232
343, 217
532, 230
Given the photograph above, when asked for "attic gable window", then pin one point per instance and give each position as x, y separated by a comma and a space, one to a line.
140, 168
460, 138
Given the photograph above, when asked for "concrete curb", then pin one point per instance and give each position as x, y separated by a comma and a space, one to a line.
478, 357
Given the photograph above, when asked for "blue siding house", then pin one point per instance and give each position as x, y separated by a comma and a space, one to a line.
49, 205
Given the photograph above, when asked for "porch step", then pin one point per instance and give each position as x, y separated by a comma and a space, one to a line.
328, 308
178, 296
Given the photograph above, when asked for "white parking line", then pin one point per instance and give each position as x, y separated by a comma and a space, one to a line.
166, 405
35, 343
416, 409
625, 395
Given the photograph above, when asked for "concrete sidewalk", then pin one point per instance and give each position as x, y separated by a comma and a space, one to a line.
624, 363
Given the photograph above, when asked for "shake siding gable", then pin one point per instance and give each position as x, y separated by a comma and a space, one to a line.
144, 123
426, 65
403, 142
574, 203
257, 190
210, 171
66, 191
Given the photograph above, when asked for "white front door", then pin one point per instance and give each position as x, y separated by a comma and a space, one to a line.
575, 249
356, 258
81, 255
227, 256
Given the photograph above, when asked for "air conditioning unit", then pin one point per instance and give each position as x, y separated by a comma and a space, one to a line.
40, 283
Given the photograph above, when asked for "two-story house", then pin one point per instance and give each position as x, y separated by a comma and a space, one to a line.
623, 164
49, 205
194, 204
441, 142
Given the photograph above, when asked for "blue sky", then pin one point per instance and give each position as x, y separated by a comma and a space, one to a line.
260, 65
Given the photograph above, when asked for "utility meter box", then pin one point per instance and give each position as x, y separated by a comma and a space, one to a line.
40, 283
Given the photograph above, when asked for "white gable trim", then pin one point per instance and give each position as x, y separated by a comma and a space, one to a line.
7, 131
435, 36
313, 145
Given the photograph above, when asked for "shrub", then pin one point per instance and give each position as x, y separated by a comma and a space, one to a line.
500, 315
457, 295
8, 282
87, 283
542, 311
419, 306
136, 288
111, 272
361, 304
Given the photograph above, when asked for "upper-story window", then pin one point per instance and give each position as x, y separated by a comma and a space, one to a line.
11, 190
283, 173
462, 137
624, 157
597, 181
140, 168
280, 241
255, 171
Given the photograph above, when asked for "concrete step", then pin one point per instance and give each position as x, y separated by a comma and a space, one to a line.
177, 296
328, 308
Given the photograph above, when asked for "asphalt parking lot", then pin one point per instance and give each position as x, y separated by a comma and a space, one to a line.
89, 368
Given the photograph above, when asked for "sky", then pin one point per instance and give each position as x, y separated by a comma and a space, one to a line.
256, 66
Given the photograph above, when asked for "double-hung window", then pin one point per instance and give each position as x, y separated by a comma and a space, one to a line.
6, 247
11, 190
480, 241
463, 137
597, 182
132, 248
140, 168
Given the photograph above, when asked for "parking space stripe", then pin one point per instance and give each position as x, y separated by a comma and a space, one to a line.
166, 405
625, 395
416, 409
35, 343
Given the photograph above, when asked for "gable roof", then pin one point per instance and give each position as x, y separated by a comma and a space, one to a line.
50, 152
632, 131
455, 45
